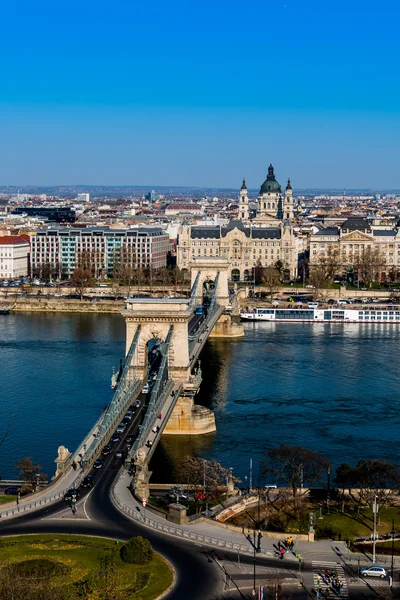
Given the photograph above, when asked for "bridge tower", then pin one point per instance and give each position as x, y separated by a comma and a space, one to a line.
156, 317
210, 269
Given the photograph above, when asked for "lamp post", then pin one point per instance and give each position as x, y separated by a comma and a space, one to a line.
328, 492
392, 565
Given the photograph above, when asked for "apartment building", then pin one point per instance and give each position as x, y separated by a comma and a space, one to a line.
14, 256
99, 249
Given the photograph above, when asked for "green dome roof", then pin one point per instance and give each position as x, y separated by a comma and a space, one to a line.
270, 184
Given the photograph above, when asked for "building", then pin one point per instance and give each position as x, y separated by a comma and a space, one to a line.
83, 198
57, 214
14, 256
355, 242
98, 248
265, 240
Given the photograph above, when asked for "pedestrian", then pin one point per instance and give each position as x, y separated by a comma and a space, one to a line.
282, 552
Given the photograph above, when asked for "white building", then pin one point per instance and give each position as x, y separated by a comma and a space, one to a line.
14, 253
83, 198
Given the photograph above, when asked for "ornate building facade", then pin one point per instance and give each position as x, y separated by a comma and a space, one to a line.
265, 240
356, 242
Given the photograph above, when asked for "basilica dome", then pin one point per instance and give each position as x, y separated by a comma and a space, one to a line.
270, 185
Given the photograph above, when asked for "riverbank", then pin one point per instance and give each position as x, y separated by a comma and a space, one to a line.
63, 305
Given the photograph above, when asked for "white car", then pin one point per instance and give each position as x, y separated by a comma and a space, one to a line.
146, 389
374, 571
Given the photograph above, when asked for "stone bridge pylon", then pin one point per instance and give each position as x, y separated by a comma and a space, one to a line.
156, 317
206, 270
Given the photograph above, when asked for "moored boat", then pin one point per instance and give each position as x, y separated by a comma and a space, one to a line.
384, 314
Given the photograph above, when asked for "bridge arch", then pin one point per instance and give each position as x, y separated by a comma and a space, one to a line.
205, 270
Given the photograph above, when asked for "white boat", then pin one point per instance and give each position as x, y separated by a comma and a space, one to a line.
383, 314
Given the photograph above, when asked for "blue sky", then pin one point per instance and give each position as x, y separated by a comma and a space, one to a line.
200, 93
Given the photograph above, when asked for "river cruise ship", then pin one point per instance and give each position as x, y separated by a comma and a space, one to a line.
384, 314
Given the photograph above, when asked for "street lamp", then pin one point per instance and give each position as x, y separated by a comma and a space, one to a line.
392, 565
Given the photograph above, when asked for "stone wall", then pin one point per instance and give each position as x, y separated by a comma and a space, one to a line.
60, 305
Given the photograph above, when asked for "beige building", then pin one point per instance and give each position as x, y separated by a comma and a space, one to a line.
355, 240
247, 243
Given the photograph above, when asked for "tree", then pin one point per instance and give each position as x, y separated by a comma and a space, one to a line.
344, 479
331, 262
82, 279
367, 263
271, 280
137, 551
318, 277
206, 478
294, 466
30, 473
378, 479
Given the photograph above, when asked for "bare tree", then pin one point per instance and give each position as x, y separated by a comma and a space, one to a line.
82, 279
30, 473
293, 466
271, 280
368, 263
205, 477
318, 278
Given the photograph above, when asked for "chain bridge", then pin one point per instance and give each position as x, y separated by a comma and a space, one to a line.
161, 374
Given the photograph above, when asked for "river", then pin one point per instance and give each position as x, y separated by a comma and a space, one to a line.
330, 387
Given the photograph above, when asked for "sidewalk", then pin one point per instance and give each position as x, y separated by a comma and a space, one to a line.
50, 494
206, 531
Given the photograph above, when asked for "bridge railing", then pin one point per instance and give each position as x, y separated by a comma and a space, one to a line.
157, 396
193, 291
123, 396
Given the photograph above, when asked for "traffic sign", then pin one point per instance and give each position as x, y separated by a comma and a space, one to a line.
144, 501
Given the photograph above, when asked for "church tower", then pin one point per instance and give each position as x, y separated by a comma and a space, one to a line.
270, 197
243, 202
288, 207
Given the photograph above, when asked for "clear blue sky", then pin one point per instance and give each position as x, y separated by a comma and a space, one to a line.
200, 93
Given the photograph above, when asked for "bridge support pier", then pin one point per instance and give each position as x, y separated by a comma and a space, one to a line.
225, 327
189, 419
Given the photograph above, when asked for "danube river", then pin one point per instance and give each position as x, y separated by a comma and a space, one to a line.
333, 388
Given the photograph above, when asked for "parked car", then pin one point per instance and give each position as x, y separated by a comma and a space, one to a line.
71, 494
12, 490
374, 571
88, 481
312, 304
98, 463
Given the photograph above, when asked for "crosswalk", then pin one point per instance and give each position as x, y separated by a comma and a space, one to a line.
323, 585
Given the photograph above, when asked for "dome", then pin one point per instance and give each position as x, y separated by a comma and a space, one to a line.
270, 184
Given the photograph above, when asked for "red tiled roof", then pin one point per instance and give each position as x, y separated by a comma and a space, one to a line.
6, 240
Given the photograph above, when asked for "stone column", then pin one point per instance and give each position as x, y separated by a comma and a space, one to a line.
62, 461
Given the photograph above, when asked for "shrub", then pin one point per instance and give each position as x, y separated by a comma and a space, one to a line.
137, 551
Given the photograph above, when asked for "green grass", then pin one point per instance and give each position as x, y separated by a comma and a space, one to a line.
82, 555
351, 525
5, 498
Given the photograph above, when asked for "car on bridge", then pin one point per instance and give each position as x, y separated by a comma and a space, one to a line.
121, 428
120, 453
146, 389
115, 437
128, 415
106, 450
88, 481
98, 463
